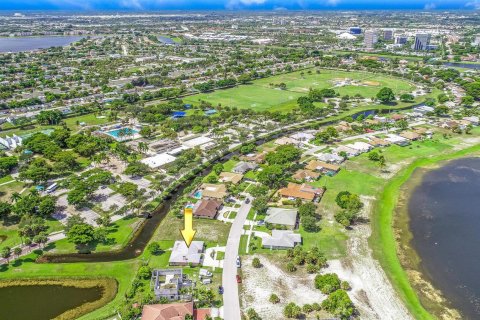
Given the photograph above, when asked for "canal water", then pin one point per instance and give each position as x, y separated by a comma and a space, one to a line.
33, 43
444, 212
43, 302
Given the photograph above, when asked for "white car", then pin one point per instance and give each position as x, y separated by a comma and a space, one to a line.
239, 263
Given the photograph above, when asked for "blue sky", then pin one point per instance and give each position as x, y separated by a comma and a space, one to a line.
236, 4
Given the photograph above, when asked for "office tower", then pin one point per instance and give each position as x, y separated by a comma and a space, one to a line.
388, 35
422, 40
401, 40
370, 39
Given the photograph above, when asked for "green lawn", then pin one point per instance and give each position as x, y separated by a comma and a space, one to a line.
119, 233
8, 189
261, 96
89, 119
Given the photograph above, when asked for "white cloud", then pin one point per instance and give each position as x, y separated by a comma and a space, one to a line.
430, 6
473, 4
236, 4
131, 4
333, 3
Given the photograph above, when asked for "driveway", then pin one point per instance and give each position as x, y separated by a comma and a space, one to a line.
231, 302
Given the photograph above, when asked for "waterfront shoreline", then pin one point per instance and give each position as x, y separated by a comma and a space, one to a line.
384, 242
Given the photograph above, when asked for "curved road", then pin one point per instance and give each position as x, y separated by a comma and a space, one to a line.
231, 302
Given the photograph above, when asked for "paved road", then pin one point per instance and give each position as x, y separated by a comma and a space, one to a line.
231, 303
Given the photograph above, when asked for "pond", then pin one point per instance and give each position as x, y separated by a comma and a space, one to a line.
445, 223
34, 43
43, 302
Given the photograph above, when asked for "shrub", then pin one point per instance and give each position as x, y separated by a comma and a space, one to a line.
307, 308
292, 311
253, 315
345, 285
291, 267
144, 272
327, 283
339, 304
274, 298
311, 268
256, 263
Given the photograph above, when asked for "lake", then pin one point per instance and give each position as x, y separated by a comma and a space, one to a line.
43, 302
445, 224
463, 65
34, 43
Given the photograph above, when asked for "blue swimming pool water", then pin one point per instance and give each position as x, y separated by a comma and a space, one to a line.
115, 133
198, 195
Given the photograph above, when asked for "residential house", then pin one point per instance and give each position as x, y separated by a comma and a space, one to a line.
307, 175
302, 136
349, 151
326, 168
410, 135
377, 142
343, 126
474, 120
281, 239
167, 284
206, 209
174, 311
254, 157
330, 158
183, 256
282, 216
286, 140
171, 311
242, 167
360, 146
300, 191
234, 178
396, 139
213, 191
397, 117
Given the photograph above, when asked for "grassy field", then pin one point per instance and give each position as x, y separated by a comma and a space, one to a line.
89, 120
118, 236
261, 96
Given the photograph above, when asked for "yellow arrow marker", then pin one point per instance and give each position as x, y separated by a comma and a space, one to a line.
188, 233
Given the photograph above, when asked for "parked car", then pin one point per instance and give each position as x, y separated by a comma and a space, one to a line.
239, 279
207, 281
220, 290
205, 273
247, 201
260, 223
239, 263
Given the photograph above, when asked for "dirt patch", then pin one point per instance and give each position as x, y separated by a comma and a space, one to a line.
372, 293
371, 83
259, 284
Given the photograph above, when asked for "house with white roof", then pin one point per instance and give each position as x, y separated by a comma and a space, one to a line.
11, 142
184, 256
360, 146
281, 239
158, 160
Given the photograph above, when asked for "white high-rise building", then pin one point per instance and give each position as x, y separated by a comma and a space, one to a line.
371, 38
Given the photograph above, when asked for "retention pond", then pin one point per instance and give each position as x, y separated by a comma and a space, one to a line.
444, 220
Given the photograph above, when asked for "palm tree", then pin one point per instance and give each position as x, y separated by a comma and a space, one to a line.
17, 251
15, 197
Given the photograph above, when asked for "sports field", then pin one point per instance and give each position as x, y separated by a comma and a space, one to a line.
262, 94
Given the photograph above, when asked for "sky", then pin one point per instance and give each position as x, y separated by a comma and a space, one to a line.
237, 4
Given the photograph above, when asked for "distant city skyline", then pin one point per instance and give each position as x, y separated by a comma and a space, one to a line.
238, 5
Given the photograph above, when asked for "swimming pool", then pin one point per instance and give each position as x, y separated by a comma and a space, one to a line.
122, 132
198, 195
